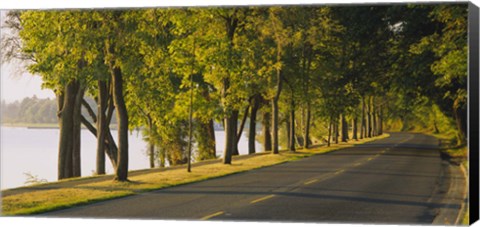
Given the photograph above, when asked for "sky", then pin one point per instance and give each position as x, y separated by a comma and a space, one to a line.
16, 86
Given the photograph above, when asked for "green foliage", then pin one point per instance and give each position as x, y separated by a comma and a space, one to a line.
30, 110
411, 59
431, 47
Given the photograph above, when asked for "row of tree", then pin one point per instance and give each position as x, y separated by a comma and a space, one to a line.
29, 110
326, 73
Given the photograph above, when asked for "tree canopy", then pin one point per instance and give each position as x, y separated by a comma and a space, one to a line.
322, 71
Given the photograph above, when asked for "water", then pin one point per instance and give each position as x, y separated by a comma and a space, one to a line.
35, 151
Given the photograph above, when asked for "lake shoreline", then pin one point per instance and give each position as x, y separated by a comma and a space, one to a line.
29, 125
23, 147
41, 126
55, 126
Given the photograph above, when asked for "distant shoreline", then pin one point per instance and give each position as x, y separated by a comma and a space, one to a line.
217, 127
30, 125
38, 126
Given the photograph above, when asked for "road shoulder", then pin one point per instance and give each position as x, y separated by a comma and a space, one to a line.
455, 198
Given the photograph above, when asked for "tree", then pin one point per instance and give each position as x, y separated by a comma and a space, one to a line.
275, 31
115, 34
62, 56
449, 46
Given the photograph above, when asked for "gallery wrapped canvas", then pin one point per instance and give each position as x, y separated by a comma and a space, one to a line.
300, 113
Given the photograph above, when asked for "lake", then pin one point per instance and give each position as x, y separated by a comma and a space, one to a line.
35, 151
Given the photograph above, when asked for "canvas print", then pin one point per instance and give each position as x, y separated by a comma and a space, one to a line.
298, 113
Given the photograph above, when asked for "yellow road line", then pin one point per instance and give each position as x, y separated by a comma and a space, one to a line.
310, 182
357, 164
262, 199
340, 171
212, 215
369, 159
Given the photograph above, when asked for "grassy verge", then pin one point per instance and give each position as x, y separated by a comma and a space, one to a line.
449, 146
58, 197
466, 217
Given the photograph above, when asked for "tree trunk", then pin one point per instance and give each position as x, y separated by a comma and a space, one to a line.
121, 173
234, 125
205, 135
435, 127
230, 137
242, 126
337, 133
380, 120
374, 116
292, 124
112, 149
302, 128
252, 131
211, 139
236, 136
362, 121
275, 145
275, 148
65, 114
306, 138
369, 119
77, 123
287, 129
267, 137
461, 122
151, 145
151, 150
329, 132
69, 122
230, 121
354, 128
101, 126
161, 156
275, 112
344, 128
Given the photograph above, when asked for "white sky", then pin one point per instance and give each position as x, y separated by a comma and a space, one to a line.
16, 86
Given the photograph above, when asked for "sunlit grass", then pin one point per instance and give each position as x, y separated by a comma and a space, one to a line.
460, 152
46, 200
449, 143
37, 201
466, 217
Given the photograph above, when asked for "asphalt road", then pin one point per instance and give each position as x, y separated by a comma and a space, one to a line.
396, 180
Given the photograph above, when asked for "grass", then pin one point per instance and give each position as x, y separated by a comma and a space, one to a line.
466, 217
38, 201
449, 146
42, 201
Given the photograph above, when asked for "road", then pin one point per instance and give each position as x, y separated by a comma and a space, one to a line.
397, 180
